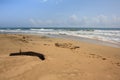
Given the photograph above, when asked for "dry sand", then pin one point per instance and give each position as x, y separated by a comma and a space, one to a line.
64, 59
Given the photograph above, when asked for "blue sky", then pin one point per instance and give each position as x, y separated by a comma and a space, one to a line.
60, 13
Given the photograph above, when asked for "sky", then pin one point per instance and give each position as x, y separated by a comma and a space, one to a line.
60, 13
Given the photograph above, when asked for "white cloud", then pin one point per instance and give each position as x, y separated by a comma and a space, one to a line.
45, 0
54, 1
38, 22
58, 1
73, 17
76, 21
33, 22
96, 21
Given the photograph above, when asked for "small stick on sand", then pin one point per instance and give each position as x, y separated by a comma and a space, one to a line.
20, 51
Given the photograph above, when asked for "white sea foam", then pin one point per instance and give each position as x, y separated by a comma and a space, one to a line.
103, 35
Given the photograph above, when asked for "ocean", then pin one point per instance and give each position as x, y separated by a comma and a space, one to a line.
111, 35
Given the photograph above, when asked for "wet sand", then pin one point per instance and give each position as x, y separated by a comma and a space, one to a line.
63, 59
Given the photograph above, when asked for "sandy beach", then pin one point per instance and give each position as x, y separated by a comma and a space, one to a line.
59, 59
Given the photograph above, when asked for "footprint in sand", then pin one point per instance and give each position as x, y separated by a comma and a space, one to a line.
46, 44
71, 73
97, 56
118, 64
49, 77
66, 45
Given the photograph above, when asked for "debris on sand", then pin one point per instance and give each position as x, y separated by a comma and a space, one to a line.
29, 53
66, 45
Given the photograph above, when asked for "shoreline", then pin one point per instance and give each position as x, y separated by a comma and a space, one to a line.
104, 36
88, 40
81, 39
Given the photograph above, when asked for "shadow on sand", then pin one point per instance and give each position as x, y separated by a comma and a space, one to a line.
29, 53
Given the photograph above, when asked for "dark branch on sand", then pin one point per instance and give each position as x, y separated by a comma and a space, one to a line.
29, 53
